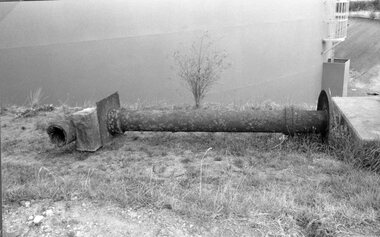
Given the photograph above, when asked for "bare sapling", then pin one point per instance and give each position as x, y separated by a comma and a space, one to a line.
200, 67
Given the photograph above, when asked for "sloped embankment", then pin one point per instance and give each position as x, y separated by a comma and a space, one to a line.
362, 46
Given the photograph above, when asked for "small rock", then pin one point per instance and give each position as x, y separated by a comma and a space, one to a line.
46, 229
132, 214
167, 206
38, 219
49, 212
164, 232
188, 153
25, 203
30, 218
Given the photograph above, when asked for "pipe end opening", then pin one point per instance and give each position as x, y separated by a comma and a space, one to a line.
57, 135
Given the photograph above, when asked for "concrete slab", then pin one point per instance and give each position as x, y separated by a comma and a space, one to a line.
362, 115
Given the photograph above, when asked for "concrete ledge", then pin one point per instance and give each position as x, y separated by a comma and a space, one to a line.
362, 114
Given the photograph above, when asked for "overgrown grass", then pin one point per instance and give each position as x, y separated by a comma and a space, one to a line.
277, 192
345, 147
277, 185
31, 181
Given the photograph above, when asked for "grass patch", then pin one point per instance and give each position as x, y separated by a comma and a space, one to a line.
41, 125
344, 146
27, 182
278, 192
277, 185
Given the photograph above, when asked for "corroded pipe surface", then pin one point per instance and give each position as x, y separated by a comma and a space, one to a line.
287, 120
112, 120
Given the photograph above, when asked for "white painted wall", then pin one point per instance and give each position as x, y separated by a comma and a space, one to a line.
87, 49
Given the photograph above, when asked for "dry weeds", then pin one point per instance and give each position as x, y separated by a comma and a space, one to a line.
266, 184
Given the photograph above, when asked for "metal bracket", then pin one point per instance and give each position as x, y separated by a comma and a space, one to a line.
107, 104
324, 104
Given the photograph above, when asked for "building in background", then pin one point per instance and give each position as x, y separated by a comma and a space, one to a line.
84, 50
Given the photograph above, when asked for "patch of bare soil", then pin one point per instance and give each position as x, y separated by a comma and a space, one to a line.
85, 218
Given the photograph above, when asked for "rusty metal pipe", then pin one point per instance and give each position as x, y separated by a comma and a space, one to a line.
61, 132
288, 121
94, 128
